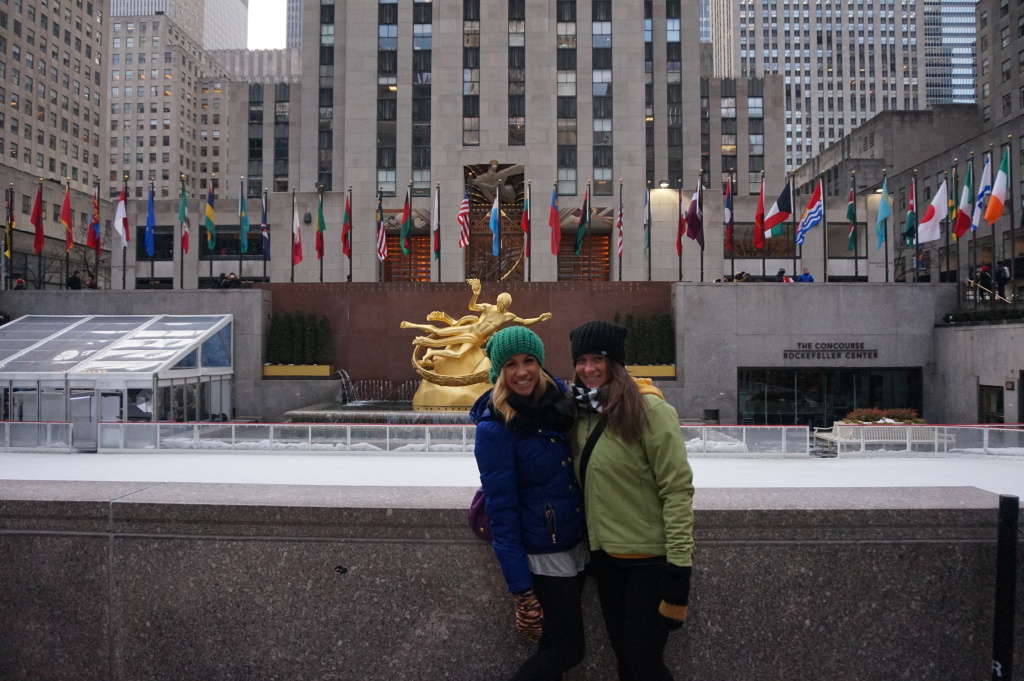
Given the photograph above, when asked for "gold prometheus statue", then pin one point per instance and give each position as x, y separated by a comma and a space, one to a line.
451, 360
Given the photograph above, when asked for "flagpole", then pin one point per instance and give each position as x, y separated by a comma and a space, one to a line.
950, 223
351, 236
529, 229
409, 195
67, 253
291, 256
378, 232
995, 250
885, 229
792, 221
6, 246
262, 209
732, 218
590, 240
241, 188
647, 229
856, 239
619, 250
320, 207
917, 234
700, 208
824, 224
437, 219
124, 246
679, 235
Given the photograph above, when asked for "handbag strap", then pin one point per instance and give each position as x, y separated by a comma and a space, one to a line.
588, 449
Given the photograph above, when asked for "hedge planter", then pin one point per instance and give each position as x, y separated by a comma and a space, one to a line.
298, 370
652, 370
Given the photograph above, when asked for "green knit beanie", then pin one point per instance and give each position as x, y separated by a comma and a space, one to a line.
512, 341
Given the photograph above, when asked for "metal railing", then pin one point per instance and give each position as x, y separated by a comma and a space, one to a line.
34, 436
458, 439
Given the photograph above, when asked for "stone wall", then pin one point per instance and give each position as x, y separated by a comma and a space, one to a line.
119, 581
979, 354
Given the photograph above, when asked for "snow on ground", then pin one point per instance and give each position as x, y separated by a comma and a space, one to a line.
999, 474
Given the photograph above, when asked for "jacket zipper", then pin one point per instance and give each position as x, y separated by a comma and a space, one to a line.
549, 519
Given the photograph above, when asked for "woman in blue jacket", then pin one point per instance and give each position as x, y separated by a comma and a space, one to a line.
533, 500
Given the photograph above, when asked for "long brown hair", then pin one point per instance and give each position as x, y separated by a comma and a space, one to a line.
624, 407
500, 393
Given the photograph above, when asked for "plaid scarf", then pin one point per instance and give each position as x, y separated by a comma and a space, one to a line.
587, 399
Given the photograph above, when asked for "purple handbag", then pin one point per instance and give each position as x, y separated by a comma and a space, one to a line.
477, 517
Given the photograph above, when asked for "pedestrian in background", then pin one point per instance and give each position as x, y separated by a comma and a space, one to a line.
805, 276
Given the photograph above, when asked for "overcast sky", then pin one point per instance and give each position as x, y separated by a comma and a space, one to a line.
267, 21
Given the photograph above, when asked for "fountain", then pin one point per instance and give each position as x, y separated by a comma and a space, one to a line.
450, 360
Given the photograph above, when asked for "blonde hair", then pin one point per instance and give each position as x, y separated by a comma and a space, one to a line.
624, 408
500, 393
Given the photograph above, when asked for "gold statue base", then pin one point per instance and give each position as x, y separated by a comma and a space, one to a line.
433, 397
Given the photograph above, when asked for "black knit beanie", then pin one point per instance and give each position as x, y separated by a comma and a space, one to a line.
599, 338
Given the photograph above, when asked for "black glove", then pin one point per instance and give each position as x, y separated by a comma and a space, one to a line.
529, 615
675, 591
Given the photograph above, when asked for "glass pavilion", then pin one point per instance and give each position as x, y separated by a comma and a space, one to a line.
91, 368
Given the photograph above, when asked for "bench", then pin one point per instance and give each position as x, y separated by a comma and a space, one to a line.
841, 434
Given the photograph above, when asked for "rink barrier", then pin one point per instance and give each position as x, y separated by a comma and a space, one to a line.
457, 439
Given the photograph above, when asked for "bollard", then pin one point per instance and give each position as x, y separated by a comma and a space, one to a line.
1006, 589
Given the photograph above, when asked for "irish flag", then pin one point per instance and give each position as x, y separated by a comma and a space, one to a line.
997, 201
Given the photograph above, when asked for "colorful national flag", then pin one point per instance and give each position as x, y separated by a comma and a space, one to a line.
618, 225
779, 213
346, 228
67, 219
910, 231
321, 226
647, 221
695, 216
813, 214
759, 218
884, 211
243, 221
150, 224
997, 201
495, 224
524, 224
405, 234
463, 219
984, 189
966, 209
94, 240
263, 226
9, 220
183, 218
929, 229
121, 218
581, 229
210, 218
851, 217
296, 234
435, 222
727, 215
382, 237
555, 222
37, 221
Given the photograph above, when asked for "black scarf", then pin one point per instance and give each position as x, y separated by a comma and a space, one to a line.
550, 411
588, 399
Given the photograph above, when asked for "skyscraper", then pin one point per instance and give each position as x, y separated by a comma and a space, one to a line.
841, 62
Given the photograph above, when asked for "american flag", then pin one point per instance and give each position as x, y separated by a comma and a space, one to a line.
382, 239
618, 224
463, 220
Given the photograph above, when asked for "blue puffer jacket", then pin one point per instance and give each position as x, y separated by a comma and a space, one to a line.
533, 500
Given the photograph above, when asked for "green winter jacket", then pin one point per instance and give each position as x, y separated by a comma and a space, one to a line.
639, 498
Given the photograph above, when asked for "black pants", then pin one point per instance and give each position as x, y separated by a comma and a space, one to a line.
630, 593
561, 646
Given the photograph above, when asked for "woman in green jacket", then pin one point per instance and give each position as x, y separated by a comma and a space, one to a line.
638, 494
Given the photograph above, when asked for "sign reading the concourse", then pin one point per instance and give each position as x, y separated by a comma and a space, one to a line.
830, 350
